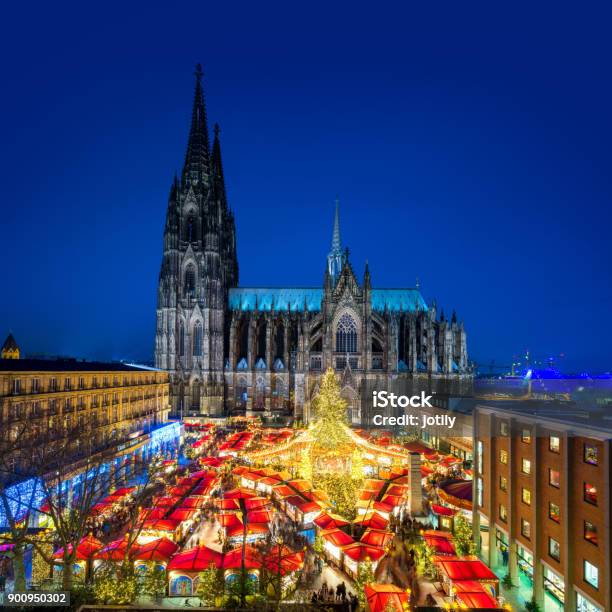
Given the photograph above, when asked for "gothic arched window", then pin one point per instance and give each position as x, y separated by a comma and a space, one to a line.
190, 229
181, 339
346, 335
190, 279
197, 340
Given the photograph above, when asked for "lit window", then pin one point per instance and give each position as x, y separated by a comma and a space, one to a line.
526, 436
554, 478
503, 513
503, 483
526, 466
590, 532
554, 549
526, 529
554, 444
503, 457
503, 428
479, 454
590, 494
584, 605
554, 513
526, 496
590, 454
591, 574
479, 491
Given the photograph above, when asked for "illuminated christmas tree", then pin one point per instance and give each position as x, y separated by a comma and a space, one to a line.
332, 459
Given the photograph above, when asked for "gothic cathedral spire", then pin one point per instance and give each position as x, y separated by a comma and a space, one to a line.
197, 156
334, 258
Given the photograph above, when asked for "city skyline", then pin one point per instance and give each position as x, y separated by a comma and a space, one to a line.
494, 197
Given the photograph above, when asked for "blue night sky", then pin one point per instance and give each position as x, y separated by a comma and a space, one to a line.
469, 145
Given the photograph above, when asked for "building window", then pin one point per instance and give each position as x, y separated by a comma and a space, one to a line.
584, 605
503, 457
503, 483
67, 384
526, 529
346, 335
590, 454
554, 549
590, 494
16, 386
479, 454
503, 513
590, 532
554, 478
526, 466
554, 444
526, 496
35, 385
503, 428
591, 574
190, 281
479, 491
554, 512
197, 340
526, 436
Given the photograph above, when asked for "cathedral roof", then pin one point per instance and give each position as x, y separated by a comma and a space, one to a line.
245, 298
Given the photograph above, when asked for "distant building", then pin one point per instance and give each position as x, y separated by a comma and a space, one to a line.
10, 349
230, 348
111, 406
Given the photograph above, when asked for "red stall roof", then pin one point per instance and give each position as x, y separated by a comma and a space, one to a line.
442, 510
327, 520
358, 551
385, 597
337, 537
468, 568
160, 549
86, 548
195, 559
376, 537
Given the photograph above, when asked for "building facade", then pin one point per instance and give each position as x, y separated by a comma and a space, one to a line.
108, 404
230, 348
542, 492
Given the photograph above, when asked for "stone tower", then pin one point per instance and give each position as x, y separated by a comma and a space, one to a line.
199, 266
10, 348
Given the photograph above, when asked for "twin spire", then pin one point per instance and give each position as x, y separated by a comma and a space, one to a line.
334, 258
197, 158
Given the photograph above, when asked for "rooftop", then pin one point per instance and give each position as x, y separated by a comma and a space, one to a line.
67, 365
568, 414
296, 298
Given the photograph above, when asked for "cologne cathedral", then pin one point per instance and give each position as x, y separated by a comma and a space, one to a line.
237, 350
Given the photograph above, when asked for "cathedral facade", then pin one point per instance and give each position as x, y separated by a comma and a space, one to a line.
232, 349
